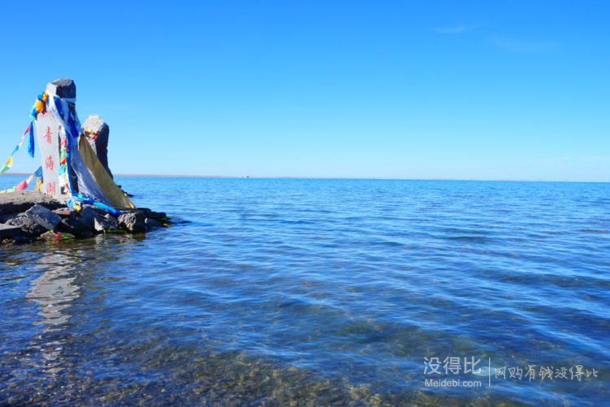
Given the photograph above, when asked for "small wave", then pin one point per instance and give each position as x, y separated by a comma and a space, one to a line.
470, 239
595, 231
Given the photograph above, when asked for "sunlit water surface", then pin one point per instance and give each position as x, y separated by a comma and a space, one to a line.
316, 291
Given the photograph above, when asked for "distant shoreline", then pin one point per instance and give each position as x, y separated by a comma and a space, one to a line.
23, 174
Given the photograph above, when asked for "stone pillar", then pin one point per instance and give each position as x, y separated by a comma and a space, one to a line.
98, 133
50, 135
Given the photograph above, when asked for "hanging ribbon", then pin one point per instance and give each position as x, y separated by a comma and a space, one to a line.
69, 120
31, 143
40, 106
71, 124
25, 183
9, 161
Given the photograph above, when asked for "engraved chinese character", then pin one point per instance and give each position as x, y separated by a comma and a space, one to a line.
47, 135
546, 372
593, 373
434, 364
500, 372
516, 372
49, 164
576, 373
561, 374
453, 365
50, 188
531, 372
471, 363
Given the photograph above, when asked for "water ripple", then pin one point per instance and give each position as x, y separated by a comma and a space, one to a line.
316, 291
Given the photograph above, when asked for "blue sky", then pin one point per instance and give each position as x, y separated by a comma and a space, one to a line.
391, 89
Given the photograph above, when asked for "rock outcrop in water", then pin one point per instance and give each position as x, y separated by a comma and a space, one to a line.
29, 216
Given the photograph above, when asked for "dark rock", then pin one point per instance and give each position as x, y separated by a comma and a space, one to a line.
17, 202
28, 227
22, 239
96, 209
106, 223
43, 216
8, 231
8, 216
152, 224
152, 214
158, 215
64, 88
75, 227
87, 216
133, 221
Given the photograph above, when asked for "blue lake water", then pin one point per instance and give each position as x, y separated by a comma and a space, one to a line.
276, 291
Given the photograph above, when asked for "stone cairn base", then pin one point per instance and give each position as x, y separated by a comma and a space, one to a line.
29, 216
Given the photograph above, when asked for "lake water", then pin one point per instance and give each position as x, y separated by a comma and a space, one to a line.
272, 291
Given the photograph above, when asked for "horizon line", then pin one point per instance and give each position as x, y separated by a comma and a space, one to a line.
126, 175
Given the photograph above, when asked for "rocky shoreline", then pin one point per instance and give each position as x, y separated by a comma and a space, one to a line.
29, 216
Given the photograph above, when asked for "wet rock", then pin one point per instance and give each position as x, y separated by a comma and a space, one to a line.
105, 223
152, 224
87, 216
75, 227
43, 216
134, 222
7, 217
9, 232
28, 227
16, 240
152, 214
112, 220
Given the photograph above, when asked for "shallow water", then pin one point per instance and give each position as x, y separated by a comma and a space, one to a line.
317, 291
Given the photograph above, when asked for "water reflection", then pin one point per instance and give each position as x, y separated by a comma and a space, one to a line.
54, 291
68, 271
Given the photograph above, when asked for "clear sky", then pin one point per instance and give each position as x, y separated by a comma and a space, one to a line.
392, 89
